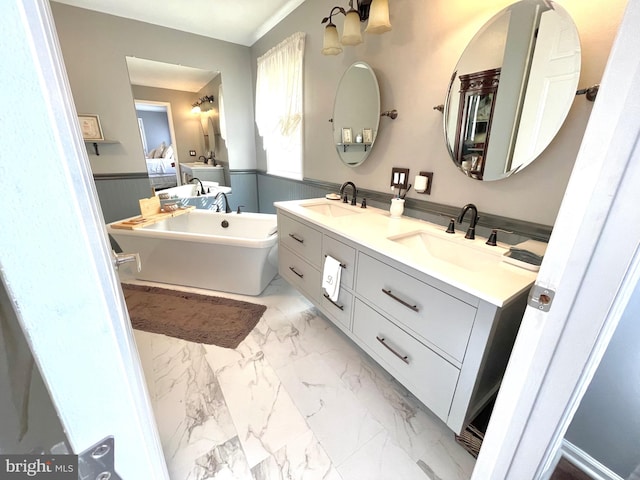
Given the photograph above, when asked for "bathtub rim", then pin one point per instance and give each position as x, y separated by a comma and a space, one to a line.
265, 242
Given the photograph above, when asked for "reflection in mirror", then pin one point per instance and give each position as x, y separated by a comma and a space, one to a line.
173, 89
512, 89
158, 142
356, 114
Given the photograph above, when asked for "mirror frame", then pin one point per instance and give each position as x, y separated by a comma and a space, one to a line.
516, 88
354, 130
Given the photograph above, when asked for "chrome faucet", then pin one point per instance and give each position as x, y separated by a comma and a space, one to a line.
355, 192
226, 201
471, 232
201, 192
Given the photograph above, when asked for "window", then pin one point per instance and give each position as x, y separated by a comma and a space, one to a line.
279, 106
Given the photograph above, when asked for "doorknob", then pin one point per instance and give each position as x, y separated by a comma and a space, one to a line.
120, 258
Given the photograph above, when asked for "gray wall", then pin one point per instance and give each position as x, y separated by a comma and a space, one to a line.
94, 47
607, 422
119, 194
413, 63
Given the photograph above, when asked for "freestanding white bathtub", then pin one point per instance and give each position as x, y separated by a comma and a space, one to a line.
228, 252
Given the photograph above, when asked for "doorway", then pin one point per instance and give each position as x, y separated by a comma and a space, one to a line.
157, 133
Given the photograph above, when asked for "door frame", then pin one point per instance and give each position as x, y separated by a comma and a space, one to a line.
55, 258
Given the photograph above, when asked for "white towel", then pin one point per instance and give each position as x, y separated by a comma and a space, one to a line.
331, 277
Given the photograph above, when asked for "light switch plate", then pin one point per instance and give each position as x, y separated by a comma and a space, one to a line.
400, 177
192, 153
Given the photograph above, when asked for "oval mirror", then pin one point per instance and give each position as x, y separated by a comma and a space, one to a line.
512, 89
356, 114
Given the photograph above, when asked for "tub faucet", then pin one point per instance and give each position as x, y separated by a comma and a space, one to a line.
471, 232
355, 191
226, 201
201, 192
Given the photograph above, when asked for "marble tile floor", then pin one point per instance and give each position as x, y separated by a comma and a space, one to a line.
296, 400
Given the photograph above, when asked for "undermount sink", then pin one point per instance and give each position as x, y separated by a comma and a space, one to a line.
332, 209
453, 251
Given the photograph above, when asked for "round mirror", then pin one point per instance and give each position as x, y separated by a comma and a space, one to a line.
356, 114
512, 89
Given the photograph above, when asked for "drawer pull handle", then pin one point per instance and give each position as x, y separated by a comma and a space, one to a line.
404, 358
294, 271
341, 307
296, 238
342, 265
412, 307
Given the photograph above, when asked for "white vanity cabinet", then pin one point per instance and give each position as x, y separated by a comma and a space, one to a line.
444, 344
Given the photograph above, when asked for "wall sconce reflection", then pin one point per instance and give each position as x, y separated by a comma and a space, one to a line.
196, 106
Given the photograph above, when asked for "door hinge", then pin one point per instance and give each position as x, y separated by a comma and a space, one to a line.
540, 298
96, 462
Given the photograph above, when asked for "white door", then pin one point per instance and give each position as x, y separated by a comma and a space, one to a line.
592, 264
55, 259
555, 69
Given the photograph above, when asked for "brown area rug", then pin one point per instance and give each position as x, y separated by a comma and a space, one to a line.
197, 318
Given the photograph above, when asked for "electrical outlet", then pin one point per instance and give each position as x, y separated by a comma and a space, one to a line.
400, 177
192, 153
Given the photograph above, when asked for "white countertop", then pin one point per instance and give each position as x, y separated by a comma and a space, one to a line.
493, 281
196, 165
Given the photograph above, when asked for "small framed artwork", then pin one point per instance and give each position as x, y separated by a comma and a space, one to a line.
90, 126
347, 136
367, 135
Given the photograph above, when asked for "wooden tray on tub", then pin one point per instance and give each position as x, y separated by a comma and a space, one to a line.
151, 212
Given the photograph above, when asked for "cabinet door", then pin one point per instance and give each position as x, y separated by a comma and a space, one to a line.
299, 273
428, 376
340, 310
434, 316
301, 239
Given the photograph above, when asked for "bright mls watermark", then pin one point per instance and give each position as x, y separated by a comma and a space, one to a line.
49, 467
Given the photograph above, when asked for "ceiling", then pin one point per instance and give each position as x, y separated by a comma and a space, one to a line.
150, 73
236, 21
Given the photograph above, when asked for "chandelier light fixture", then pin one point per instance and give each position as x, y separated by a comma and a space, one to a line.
375, 11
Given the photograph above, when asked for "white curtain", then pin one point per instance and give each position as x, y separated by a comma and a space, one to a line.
279, 105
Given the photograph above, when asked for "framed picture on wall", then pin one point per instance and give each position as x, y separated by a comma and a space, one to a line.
90, 127
367, 135
347, 136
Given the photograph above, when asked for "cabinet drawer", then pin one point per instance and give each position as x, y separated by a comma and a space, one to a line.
428, 376
299, 273
435, 317
301, 239
340, 311
344, 254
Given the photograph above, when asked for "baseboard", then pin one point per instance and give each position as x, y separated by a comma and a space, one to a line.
587, 463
